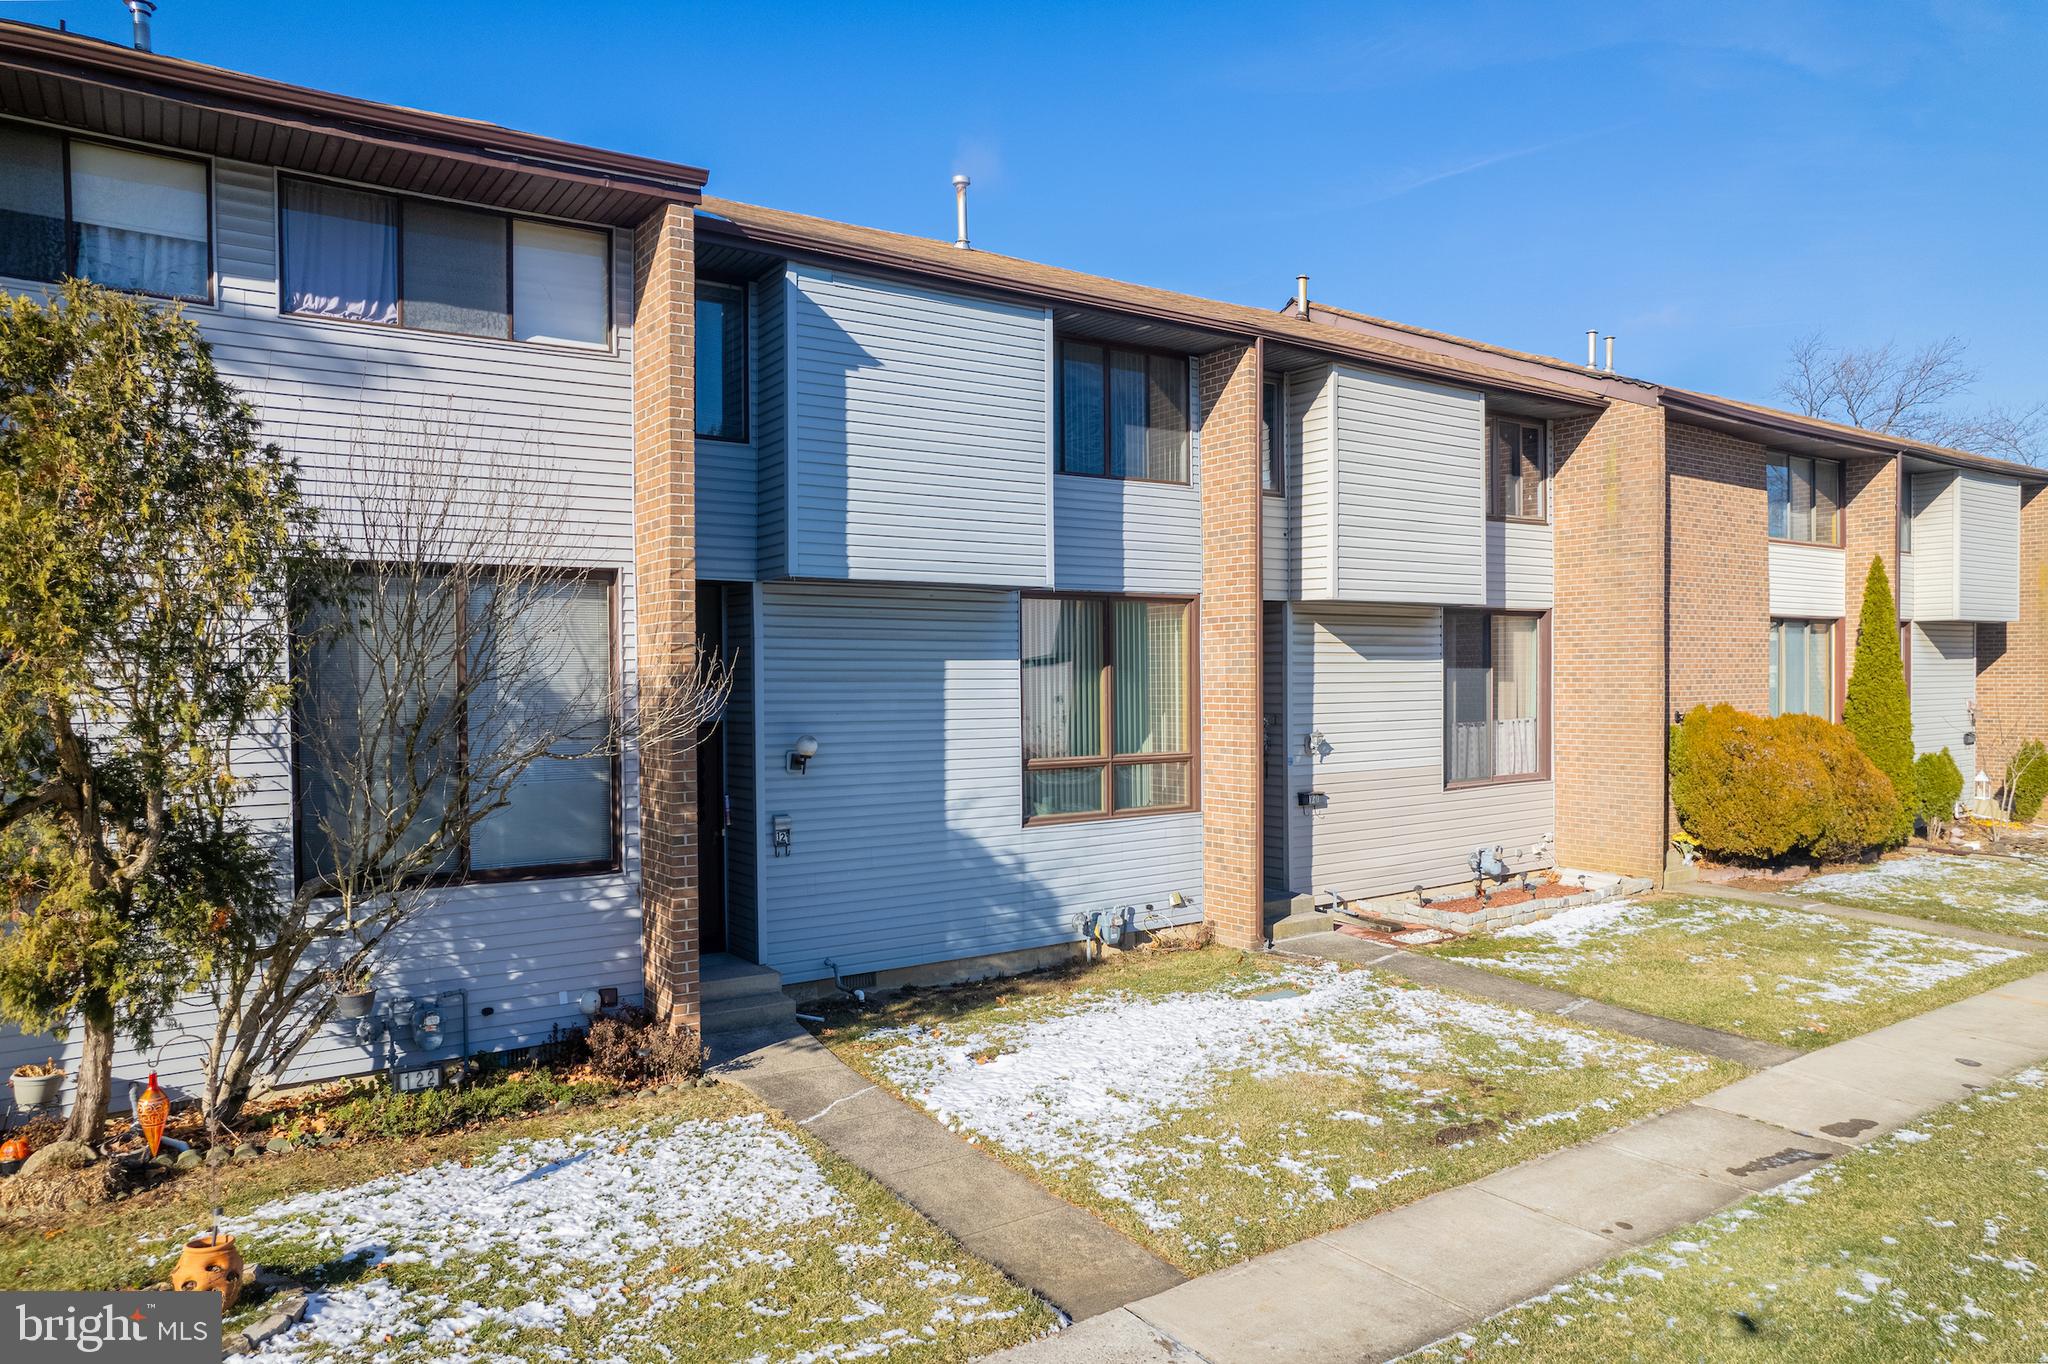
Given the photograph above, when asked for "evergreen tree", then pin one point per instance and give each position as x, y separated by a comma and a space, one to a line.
1878, 711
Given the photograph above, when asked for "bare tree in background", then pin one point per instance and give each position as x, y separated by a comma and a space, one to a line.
438, 666
1910, 394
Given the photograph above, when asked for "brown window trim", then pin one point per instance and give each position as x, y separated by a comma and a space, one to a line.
1841, 507
65, 139
1493, 490
609, 346
1059, 399
1108, 763
1543, 700
1838, 664
611, 866
746, 396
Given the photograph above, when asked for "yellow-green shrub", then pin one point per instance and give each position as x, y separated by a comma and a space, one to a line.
1756, 789
1941, 786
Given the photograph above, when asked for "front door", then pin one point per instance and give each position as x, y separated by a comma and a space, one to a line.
714, 812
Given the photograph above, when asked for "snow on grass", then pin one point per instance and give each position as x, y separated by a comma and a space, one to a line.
1766, 972
1849, 1262
2003, 895
589, 1240
1179, 1110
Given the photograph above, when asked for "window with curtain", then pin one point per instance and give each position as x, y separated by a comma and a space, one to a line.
1107, 707
467, 271
1495, 696
1123, 413
134, 220
1805, 499
1517, 459
559, 815
721, 360
1272, 435
1803, 668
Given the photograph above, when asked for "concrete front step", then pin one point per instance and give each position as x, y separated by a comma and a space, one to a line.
727, 1015
739, 994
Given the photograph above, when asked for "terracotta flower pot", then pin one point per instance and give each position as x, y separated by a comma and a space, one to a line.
33, 1091
210, 1264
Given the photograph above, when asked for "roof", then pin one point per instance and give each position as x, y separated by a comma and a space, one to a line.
780, 231
1505, 352
101, 87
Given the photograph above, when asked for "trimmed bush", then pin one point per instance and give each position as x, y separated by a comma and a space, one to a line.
2026, 776
1753, 789
1940, 783
1877, 710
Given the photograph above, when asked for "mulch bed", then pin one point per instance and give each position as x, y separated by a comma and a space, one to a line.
1505, 899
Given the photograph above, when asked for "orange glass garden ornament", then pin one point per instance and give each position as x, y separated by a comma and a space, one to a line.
150, 1111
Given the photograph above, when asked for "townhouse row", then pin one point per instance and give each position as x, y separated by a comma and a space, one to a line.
1047, 596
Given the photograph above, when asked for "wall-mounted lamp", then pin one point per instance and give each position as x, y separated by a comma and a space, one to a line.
798, 759
589, 1002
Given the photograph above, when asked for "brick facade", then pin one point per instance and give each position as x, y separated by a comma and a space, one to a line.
665, 578
2012, 659
1231, 640
1610, 704
1870, 530
1720, 572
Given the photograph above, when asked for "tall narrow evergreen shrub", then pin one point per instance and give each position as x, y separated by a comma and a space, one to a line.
1878, 711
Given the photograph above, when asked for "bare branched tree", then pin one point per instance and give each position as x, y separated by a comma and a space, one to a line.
1911, 394
448, 660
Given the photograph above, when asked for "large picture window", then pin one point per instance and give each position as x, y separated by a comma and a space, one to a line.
381, 721
721, 360
361, 256
126, 219
1805, 497
1123, 413
1516, 457
1107, 707
1496, 697
1803, 668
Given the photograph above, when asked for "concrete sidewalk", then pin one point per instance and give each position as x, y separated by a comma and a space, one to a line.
1392, 1283
1066, 1256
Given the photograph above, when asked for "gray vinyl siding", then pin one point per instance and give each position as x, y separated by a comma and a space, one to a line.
1944, 685
908, 839
1310, 464
771, 412
1989, 569
1936, 556
1276, 551
1808, 582
1371, 680
1519, 565
1410, 494
1118, 535
726, 491
741, 737
919, 443
565, 414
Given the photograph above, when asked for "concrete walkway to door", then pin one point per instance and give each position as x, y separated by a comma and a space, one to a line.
1392, 1283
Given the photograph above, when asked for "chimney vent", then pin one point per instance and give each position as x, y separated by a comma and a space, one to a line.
960, 184
1610, 355
141, 10
1301, 295
1592, 348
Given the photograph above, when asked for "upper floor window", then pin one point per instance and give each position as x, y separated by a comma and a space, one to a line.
126, 219
1107, 707
1805, 498
1123, 413
1516, 466
368, 257
721, 360
1272, 434
1496, 697
1803, 668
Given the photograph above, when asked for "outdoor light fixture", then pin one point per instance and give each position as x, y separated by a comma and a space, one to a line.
799, 758
589, 1002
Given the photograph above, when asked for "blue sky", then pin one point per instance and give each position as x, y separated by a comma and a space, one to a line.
1707, 181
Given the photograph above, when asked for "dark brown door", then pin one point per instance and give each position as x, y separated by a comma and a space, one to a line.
713, 812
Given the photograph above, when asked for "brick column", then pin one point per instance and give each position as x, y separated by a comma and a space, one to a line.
1610, 704
1232, 874
2012, 657
1720, 604
1870, 530
665, 574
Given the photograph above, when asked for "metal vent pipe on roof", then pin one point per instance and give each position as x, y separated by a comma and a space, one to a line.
960, 184
1301, 295
1592, 348
1610, 355
141, 10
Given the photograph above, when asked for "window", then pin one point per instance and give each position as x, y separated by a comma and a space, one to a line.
1803, 668
362, 256
560, 812
1496, 697
1107, 707
1805, 499
127, 219
1516, 461
1123, 413
1272, 435
721, 360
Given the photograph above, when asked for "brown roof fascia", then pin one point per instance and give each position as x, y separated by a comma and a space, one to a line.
76, 57
1527, 362
1770, 421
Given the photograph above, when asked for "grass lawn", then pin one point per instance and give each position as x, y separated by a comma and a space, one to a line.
1801, 980
1214, 1105
1925, 1245
689, 1226
1991, 893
